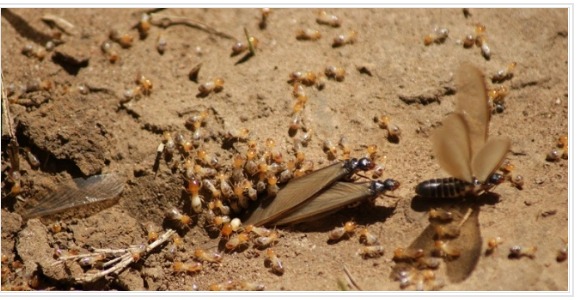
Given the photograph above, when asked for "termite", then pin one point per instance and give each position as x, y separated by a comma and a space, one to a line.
326, 19
265, 12
175, 215
440, 214
519, 251
32, 159
345, 39
193, 186
162, 45
215, 85
274, 262
266, 241
308, 35
367, 238
337, 73
203, 256
462, 150
144, 26
300, 189
152, 231
446, 231
461, 145
371, 251
481, 41
445, 250
493, 244
407, 254
259, 231
237, 241
337, 196
307, 78
438, 36
504, 74
341, 232
180, 267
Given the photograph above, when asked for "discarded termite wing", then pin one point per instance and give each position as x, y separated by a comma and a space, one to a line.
91, 190
339, 195
302, 189
461, 146
455, 240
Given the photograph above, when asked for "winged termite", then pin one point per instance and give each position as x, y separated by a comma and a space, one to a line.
339, 195
86, 191
463, 151
303, 188
461, 145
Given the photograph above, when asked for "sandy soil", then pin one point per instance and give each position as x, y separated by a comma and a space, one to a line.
82, 125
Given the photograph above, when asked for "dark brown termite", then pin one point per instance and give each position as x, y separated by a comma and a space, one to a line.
302, 189
339, 195
463, 151
461, 145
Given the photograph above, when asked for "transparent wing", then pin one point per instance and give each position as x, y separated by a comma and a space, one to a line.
93, 189
451, 147
296, 192
335, 197
469, 243
490, 157
472, 101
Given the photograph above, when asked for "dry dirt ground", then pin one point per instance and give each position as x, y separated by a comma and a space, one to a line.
81, 125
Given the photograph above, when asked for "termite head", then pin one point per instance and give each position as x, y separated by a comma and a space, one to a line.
372, 150
238, 48
193, 186
493, 243
507, 167
563, 141
494, 180
144, 26
518, 181
468, 41
553, 155
367, 238
387, 185
264, 15
364, 164
151, 230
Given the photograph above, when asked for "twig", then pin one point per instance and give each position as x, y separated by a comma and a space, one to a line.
119, 263
111, 262
60, 23
165, 21
6, 117
351, 279
249, 42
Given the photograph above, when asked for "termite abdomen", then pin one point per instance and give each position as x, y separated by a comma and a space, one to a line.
443, 188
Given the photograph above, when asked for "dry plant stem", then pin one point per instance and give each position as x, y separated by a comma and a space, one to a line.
162, 20
351, 279
6, 118
61, 23
119, 263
